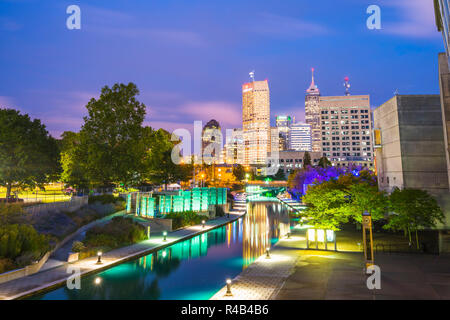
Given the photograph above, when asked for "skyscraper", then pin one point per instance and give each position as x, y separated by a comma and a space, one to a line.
212, 142
300, 137
234, 147
347, 130
312, 113
283, 124
256, 121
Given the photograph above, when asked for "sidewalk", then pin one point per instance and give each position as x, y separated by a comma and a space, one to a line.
293, 273
58, 275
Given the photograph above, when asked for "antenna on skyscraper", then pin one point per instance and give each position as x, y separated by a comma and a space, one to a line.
252, 75
346, 86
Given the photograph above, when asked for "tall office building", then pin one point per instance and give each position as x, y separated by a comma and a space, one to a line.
212, 142
234, 147
300, 137
312, 113
283, 124
256, 121
346, 130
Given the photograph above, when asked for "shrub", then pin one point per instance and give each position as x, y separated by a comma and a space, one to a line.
184, 219
105, 199
78, 246
17, 240
119, 231
6, 265
10, 213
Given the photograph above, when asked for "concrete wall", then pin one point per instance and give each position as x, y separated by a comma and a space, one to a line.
422, 143
388, 157
444, 83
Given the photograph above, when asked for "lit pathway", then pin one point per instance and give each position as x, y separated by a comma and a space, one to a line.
294, 273
53, 277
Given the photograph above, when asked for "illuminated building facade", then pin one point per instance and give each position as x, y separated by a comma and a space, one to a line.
234, 147
312, 114
283, 124
300, 137
212, 142
346, 130
256, 122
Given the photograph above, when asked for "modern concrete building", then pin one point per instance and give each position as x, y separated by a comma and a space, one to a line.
346, 130
312, 113
300, 137
442, 12
411, 153
291, 160
256, 122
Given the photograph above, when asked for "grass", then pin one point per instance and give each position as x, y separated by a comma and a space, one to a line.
53, 193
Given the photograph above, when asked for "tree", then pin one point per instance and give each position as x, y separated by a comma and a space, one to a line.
158, 164
111, 146
29, 156
306, 159
280, 175
239, 172
413, 209
324, 162
73, 172
336, 201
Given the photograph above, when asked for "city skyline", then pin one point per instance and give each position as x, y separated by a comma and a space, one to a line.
194, 63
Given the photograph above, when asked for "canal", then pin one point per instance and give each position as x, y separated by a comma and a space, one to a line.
192, 269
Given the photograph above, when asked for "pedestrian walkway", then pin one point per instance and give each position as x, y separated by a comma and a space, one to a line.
294, 273
56, 276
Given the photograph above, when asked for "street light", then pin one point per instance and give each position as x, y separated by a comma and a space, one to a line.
99, 257
165, 235
203, 223
228, 294
97, 281
268, 253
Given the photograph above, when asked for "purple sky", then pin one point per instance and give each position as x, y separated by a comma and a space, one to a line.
190, 58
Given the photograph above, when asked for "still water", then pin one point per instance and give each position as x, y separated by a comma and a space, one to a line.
193, 269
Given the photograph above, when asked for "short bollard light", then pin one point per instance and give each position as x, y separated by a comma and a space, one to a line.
228, 294
97, 281
203, 223
99, 257
288, 235
165, 235
268, 253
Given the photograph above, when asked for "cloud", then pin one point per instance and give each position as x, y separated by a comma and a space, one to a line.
416, 18
276, 25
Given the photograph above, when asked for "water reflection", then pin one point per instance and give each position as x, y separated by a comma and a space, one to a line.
192, 269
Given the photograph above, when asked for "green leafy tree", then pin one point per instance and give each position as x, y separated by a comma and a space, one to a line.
413, 210
239, 172
324, 162
306, 159
160, 169
73, 172
111, 148
280, 175
29, 156
337, 201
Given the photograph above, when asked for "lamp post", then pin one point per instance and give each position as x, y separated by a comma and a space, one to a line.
165, 236
203, 224
367, 238
228, 293
99, 257
268, 253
